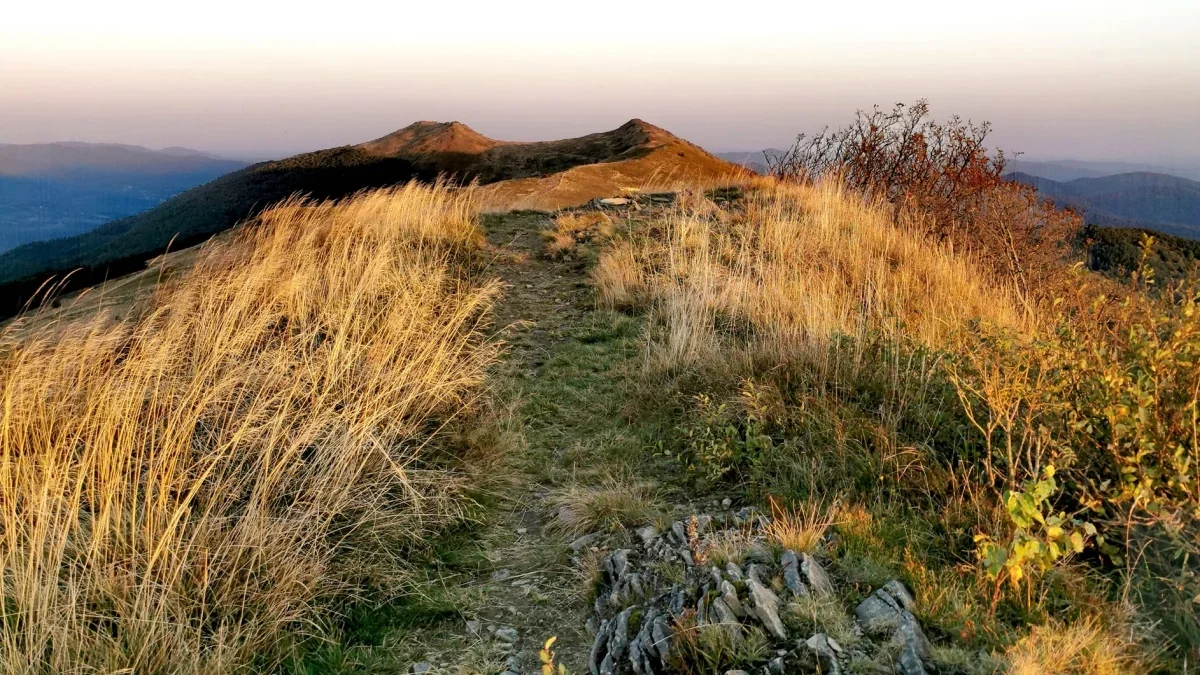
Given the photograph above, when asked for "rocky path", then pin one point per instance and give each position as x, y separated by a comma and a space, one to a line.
565, 376
581, 541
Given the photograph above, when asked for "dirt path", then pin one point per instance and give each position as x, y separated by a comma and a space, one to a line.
567, 377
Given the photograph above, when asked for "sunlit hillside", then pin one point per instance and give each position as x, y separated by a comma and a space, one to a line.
181, 489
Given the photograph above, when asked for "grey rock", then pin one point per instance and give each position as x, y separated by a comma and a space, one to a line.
909, 662
522, 530
501, 575
421, 668
879, 613
617, 564
733, 571
791, 574
909, 635
609, 665
513, 663
765, 605
680, 532
702, 523
900, 594
506, 634
833, 644
620, 635
816, 575
687, 558
678, 601
760, 555
716, 575
775, 666
641, 647
583, 542
735, 672
615, 201
721, 614
475, 628
821, 654
661, 632
726, 503
599, 647
702, 611
730, 597
647, 534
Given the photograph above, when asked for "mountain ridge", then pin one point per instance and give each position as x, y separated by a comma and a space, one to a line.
542, 174
1142, 199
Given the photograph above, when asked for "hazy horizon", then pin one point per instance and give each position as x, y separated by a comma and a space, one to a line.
1097, 81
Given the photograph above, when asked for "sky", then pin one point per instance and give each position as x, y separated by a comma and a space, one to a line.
1094, 80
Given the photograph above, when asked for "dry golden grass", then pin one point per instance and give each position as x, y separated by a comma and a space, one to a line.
801, 528
572, 229
617, 503
179, 488
801, 265
1084, 647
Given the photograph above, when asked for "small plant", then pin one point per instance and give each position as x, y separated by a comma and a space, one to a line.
799, 529
701, 550
574, 229
719, 443
547, 657
1040, 538
714, 648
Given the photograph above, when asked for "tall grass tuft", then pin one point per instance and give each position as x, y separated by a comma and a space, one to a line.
181, 488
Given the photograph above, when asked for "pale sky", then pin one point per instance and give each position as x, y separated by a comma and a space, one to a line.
1058, 79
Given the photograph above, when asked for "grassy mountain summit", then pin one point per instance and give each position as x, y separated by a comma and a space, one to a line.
632, 154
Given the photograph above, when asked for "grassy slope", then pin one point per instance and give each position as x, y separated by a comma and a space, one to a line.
123, 246
187, 489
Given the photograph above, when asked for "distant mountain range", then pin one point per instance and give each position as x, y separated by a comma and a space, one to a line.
755, 161
1169, 204
1070, 169
547, 175
54, 190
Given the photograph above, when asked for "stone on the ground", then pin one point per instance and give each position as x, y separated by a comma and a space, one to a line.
879, 613
475, 627
730, 597
909, 635
506, 634
820, 653
726, 503
617, 564
615, 201
897, 590
909, 662
724, 616
421, 668
733, 571
583, 542
647, 534
599, 647
765, 605
501, 575
818, 579
791, 573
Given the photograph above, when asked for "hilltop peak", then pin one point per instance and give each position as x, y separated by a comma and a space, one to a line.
426, 137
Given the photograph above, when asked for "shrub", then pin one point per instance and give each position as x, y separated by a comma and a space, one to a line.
942, 176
